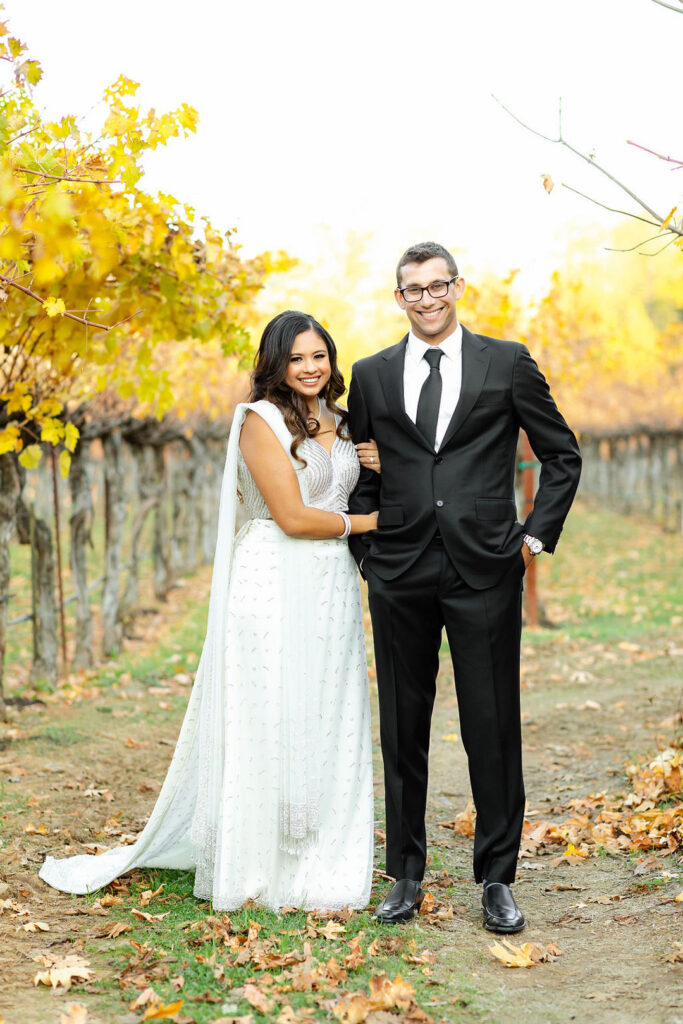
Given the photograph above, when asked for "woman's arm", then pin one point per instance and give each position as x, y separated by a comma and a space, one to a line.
275, 478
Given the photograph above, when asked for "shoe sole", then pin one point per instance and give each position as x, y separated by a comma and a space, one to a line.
399, 919
504, 929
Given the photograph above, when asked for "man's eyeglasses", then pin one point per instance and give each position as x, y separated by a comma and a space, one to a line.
437, 290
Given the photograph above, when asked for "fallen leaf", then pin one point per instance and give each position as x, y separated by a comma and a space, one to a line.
428, 902
161, 1012
256, 998
148, 995
679, 898
451, 737
112, 931
675, 955
143, 915
36, 926
75, 1013
548, 183
109, 900
62, 970
527, 955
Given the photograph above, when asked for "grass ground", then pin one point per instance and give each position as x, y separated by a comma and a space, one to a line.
600, 690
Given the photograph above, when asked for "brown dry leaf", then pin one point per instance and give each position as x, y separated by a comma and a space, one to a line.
463, 823
257, 998
134, 743
143, 915
425, 957
110, 900
527, 955
75, 1013
161, 1012
287, 1016
31, 828
386, 945
355, 1007
62, 970
679, 898
428, 902
112, 931
148, 995
332, 930
548, 183
147, 896
36, 926
675, 955
354, 958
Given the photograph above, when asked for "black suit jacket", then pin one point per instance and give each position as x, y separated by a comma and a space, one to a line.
466, 489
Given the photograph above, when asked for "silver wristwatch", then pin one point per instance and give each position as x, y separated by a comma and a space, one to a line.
534, 545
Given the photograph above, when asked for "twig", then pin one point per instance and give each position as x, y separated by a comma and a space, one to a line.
62, 177
577, 152
632, 248
678, 10
611, 209
70, 316
669, 159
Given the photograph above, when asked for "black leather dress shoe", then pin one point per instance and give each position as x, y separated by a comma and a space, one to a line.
501, 913
400, 903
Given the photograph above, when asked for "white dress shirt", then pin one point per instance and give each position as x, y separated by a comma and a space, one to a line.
416, 371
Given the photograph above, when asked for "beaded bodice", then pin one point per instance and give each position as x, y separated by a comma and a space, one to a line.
330, 478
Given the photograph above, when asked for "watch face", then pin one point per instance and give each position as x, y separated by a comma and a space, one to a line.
536, 547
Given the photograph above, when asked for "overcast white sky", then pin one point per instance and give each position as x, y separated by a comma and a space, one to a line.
376, 115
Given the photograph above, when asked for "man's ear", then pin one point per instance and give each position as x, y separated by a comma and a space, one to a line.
400, 301
460, 286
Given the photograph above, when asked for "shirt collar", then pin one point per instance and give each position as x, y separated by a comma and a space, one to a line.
450, 347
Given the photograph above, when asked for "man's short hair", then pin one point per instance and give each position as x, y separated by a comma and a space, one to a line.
422, 252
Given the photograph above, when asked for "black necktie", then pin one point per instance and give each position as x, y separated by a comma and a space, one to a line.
430, 398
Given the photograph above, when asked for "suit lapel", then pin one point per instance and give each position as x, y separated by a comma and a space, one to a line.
391, 379
475, 363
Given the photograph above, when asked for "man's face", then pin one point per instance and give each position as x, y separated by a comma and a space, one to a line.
432, 320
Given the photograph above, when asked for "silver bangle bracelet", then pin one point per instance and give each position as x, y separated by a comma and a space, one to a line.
347, 525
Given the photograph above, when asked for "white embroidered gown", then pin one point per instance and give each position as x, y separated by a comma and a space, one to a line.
269, 793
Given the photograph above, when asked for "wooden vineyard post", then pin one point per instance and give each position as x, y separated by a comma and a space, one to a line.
58, 543
527, 466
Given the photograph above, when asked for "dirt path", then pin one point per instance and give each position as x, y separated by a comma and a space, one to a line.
85, 767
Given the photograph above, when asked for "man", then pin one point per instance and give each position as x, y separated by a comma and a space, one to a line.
445, 407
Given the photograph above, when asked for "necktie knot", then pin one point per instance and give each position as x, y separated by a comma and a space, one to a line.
433, 357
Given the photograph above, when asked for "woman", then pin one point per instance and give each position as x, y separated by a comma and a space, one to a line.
269, 793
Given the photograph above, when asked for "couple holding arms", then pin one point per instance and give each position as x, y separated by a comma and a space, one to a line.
269, 793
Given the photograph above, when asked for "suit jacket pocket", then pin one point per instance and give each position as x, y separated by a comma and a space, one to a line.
390, 515
495, 508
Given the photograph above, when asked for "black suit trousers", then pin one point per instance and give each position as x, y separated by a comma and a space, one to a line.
483, 629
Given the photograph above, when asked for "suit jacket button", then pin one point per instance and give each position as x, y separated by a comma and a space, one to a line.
438, 460
439, 504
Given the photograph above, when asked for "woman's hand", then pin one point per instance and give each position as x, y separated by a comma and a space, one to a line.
368, 455
363, 523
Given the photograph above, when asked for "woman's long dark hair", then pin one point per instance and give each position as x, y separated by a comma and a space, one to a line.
270, 369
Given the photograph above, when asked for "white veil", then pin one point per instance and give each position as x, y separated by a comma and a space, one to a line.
182, 831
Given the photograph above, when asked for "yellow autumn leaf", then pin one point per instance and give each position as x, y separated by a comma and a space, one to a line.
667, 219
54, 307
450, 737
31, 456
10, 439
163, 1012
71, 435
64, 464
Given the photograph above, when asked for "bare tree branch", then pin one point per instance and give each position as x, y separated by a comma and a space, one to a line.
70, 316
678, 10
67, 177
589, 160
669, 159
612, 209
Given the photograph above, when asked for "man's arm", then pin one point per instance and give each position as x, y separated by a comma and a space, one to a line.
365, 496
553, 444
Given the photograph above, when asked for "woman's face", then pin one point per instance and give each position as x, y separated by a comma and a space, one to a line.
309, 364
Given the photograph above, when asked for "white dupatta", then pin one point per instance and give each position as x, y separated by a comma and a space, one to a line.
183, 829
